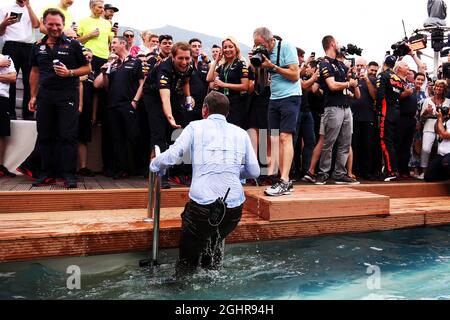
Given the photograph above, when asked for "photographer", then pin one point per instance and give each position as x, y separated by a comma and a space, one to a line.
283, 64
428, 115
439, 169
337, 118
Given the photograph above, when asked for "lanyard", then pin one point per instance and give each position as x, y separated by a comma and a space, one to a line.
226, 71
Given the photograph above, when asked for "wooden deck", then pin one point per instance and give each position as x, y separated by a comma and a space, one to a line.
46, 224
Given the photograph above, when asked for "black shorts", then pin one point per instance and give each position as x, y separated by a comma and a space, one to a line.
283, 114
258, 115
5, 122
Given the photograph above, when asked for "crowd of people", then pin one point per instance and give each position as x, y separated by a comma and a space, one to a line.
307, 118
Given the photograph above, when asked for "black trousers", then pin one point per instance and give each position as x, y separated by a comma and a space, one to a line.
124, 125
363, 143
201, 245
20, 54
439, 169
57, 126
389, 138
406, 131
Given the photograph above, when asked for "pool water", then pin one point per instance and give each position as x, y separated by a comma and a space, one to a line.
405, 264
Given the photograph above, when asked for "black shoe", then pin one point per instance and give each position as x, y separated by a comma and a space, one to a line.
391, 177
44, 181
309, 177
5, 173
25, 171
346, 180
85, 172
108, 173
321, 179
70, 182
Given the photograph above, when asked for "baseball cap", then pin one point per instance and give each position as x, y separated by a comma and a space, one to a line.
110, 7
390, 61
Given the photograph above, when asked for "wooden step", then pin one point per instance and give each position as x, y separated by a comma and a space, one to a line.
29, 236
312, 202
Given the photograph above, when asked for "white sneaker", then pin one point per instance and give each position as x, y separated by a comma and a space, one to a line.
279, 189
421, 177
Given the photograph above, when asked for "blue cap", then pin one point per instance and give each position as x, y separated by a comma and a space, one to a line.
390, 61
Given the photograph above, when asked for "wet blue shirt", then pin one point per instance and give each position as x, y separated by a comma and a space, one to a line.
221, 155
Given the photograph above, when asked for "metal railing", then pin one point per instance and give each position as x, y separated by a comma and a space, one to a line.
154, 211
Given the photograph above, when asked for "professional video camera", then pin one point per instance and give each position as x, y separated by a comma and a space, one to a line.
401, 48
351, 50
257, 58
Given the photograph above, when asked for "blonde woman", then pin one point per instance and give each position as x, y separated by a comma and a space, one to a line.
229, 73
429, 115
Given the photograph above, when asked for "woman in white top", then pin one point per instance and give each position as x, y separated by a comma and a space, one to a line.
429, 113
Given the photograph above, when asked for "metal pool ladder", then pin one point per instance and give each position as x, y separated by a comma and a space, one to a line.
154, 211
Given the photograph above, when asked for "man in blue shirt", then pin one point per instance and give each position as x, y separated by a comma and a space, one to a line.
221, 156
285, 101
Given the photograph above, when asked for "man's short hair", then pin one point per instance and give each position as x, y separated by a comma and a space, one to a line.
264, 33
165, 37
54, 12
300, 52
215, 46
327, 41
373, 64
183, 46
122, 39
217, 103
92, 3
194, 40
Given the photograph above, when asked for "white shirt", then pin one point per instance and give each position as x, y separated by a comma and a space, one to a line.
4, 86
20, 31
444, 146
431, 123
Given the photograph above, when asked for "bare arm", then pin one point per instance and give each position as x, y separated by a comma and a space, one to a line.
8, 77
34, 19
34, 88
212, 74
167, 107
292, 73
340, 86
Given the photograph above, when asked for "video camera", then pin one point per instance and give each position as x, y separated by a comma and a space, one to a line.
401, 48
257, 58
351, 50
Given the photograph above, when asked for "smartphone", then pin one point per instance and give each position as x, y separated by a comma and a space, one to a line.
16, 15
116, 25
313, 54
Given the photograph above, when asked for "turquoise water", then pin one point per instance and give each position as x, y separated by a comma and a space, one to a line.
413, 264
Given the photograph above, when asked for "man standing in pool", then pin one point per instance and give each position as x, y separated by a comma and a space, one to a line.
221, 156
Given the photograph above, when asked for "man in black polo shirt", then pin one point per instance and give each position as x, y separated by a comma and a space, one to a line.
198, 83
364, 119
124, 80
165, 90
57, 63
337, 117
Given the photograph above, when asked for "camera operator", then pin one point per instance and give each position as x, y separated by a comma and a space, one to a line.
282, 62
364, 119
439, 169
390, 86
337, 118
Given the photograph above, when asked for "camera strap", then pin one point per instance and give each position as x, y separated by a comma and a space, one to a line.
217, 211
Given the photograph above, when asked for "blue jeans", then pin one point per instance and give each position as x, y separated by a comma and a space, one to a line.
305, 132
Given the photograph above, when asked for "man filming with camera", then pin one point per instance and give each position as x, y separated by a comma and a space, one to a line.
439, 169
281, 59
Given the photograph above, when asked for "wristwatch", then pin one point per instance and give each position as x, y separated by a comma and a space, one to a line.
71, 73
274, 69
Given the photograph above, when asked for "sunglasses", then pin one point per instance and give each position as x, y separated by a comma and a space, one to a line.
128, 35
